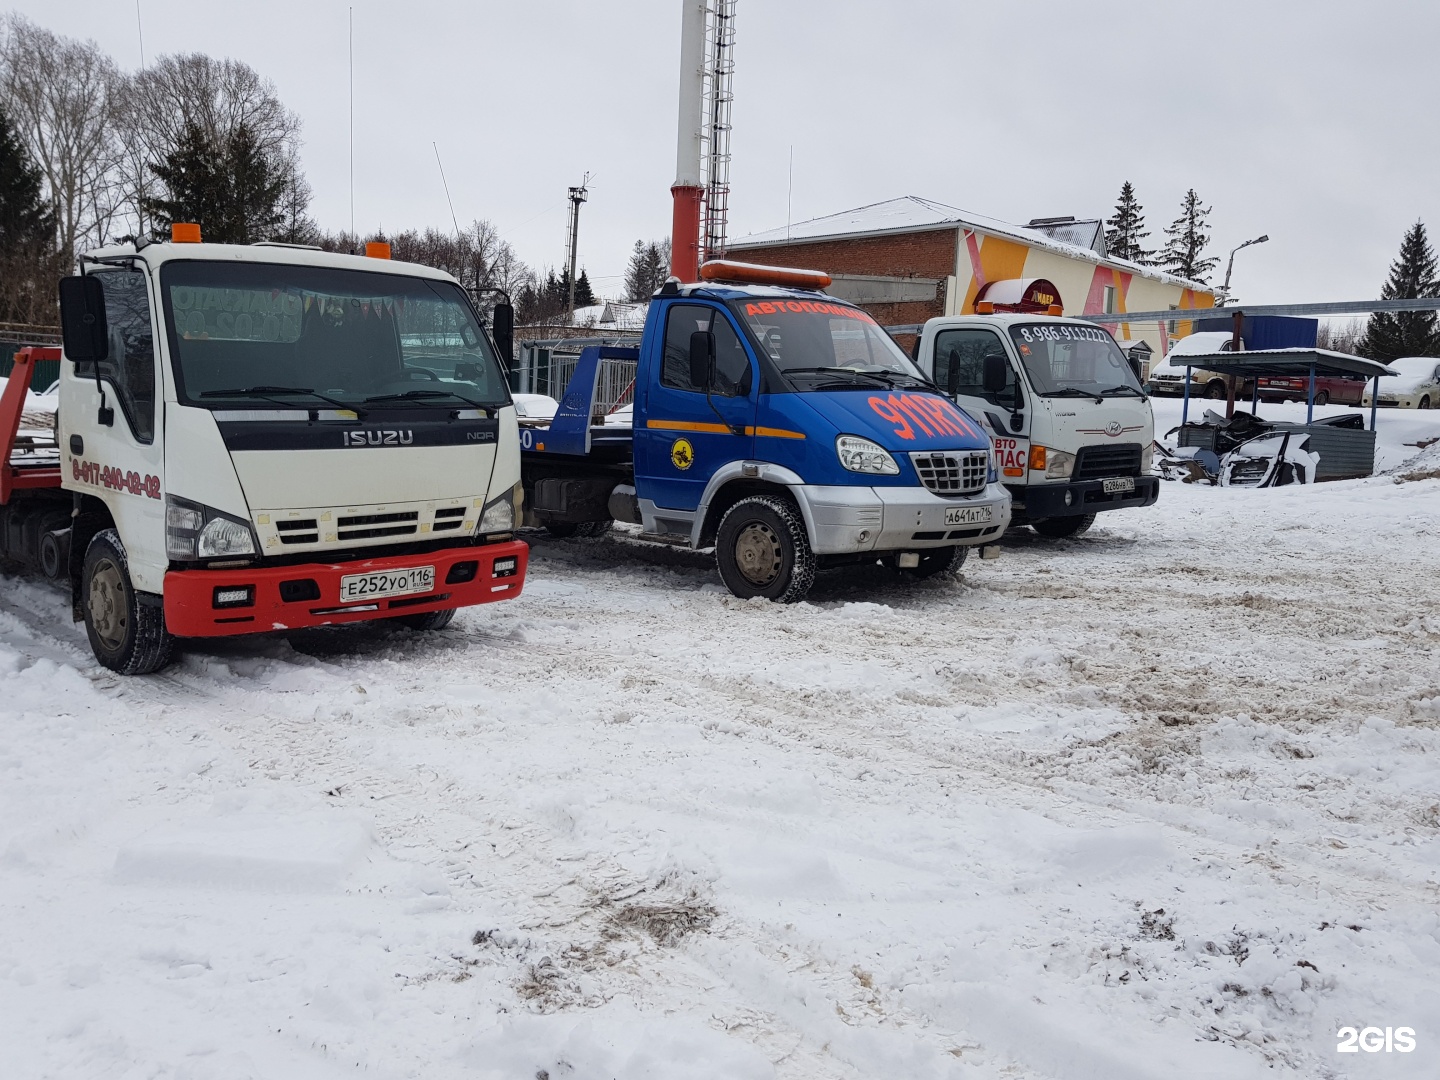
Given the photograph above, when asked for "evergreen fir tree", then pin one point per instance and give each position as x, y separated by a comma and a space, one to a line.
646, 272
1189, 235
30, 259
1126, 231
1412, 276
232, 190
584, 295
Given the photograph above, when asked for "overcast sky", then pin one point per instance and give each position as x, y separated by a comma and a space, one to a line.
1311, 120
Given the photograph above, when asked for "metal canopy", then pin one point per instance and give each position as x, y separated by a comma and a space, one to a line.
1285, 362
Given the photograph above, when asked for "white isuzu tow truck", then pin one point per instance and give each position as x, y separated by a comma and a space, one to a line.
263, 438
1071, 425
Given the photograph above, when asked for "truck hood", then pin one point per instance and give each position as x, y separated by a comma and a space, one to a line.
899, 420
1066, 423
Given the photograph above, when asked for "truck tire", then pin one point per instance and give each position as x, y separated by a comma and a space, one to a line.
427, 620
762, 549
562, 530
126, 636
936, 562
1061, 527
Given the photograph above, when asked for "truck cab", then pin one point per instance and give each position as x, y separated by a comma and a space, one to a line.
261, 438
779, 425
1072, 428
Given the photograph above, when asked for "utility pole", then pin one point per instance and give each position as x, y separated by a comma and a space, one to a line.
577, 196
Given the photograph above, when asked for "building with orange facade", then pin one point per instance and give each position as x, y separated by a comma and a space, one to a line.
911, 259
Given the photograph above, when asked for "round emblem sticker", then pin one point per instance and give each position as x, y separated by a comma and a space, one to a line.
682, 454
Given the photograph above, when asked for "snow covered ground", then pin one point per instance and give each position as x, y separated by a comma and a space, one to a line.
1159, 802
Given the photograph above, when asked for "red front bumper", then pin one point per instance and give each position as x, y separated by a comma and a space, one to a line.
291, 597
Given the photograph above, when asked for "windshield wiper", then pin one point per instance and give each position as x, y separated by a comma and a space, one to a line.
883, 380
1074, 391
274, 392
1124, 390
424, 395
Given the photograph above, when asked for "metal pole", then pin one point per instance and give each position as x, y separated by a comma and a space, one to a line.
1255, 399
1310, 397
1374, 400
1232, 382
1185, 409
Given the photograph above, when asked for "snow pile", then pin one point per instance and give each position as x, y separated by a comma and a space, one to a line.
1157, 802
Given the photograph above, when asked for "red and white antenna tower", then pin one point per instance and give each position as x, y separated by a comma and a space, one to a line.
701, 190
719, 93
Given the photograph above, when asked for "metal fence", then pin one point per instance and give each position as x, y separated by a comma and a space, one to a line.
545, 367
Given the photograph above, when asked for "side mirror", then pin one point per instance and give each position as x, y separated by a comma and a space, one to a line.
502, 326
952, 375
995, 372
702, 359
83, 327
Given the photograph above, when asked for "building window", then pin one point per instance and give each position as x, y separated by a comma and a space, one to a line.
1109, 300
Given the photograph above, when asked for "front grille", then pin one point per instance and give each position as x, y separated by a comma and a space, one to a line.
952, 473
1098, 462
369, 526
297, 531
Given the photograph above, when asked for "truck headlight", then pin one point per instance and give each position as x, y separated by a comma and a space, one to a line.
863, 456
196, 531
1056, 464
993, 472
1147, 459
499, 516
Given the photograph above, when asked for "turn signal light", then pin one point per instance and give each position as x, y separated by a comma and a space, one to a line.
1055, 309
1037, 457
185, 232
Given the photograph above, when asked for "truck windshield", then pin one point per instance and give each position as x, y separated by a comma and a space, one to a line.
1066, 358
299, 336
820, 345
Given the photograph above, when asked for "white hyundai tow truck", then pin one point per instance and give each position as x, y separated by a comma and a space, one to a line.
1071, 426
263, 438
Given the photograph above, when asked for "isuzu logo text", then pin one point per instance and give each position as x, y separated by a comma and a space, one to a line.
377, 438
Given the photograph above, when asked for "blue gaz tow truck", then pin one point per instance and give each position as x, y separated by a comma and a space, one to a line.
780, 425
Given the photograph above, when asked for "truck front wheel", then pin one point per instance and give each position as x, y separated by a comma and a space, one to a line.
935, 562
762, 549
127, 636
1061, 527
427, 620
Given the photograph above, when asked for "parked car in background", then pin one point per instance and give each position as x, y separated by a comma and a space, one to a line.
1329, 389
1416, 387
1168, 376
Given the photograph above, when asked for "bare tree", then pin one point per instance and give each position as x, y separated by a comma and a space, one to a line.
59, 93
217, 98
478, 257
